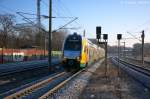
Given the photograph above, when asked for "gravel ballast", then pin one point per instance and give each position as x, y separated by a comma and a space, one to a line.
98, 83
74, 88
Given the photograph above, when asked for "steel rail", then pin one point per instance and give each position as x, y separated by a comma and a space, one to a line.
50, 92
147, 62
33, 88
137, 67
140, 74
22, 69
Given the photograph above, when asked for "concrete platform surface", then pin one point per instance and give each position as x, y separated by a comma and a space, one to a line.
108, 85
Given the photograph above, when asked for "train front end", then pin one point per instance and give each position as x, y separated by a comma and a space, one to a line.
72, 52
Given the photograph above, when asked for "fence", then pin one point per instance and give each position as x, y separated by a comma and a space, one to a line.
17, 55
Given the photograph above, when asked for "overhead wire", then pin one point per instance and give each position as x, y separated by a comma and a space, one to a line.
139, 26
56, 14
67, 12
12, 11
63, 6
76, 23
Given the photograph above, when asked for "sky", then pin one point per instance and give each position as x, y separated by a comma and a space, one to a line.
114, 16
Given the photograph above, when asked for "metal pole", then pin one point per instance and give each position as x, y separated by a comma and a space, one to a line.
39, 22
45, 46
125, 50
12, 54
2, 55
142, 36
50, 30
38, 15
105, 58
124, 53
118, 57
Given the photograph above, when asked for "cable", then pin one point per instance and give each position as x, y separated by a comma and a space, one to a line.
66, 24
57, 14
134, 36
54, 11
69, 12
64, 8
28, 20
140, 25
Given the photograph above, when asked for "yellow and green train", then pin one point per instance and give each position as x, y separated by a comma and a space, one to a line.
78, 52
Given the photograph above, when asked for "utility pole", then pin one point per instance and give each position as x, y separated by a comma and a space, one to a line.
39, 23
38, 15
143, 36
49, 40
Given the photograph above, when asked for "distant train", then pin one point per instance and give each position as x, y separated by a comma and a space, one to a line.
78, 52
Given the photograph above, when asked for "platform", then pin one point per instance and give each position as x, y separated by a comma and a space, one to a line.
110, 86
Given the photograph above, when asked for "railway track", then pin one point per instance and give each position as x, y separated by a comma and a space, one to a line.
147, 62
9, 69
43, 88
49, 85
139, 73
36, 86
138, 62
13, 79
56, 88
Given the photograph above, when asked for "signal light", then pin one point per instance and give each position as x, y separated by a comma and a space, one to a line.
98, 36
98, 32
119, 36
105, 36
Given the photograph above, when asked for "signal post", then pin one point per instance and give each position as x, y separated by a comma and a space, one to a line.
105, 37
143, 36
119, 37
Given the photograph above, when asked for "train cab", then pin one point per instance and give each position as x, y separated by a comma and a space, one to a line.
78, 52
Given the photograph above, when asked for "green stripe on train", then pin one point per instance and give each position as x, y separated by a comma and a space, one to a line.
82, 65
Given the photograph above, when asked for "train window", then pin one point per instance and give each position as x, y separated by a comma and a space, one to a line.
73, 45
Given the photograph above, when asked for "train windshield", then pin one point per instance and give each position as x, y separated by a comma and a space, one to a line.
74, 45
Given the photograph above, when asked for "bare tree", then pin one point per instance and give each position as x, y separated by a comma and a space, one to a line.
7, 22
58, 39
40, 38
29, 35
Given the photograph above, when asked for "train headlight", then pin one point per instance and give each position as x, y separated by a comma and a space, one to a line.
64, 59
78, 58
